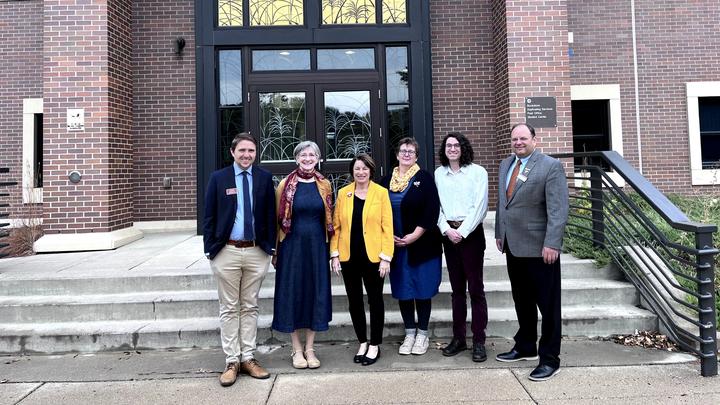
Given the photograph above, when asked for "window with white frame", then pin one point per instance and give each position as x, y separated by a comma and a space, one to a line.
32, 150
604, 132
703, 104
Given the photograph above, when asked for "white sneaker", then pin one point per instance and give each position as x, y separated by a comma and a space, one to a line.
407, 344
421, 344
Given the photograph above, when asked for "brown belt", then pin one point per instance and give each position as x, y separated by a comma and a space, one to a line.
241, 243
454, 224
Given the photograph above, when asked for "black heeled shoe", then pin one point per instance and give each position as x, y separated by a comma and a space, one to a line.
368, 361
360, 357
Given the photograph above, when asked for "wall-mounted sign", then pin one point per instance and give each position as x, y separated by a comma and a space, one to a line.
76, 119
541, 112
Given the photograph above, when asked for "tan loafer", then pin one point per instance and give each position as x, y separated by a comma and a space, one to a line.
254, 369
312, 360
228, 377
298, 360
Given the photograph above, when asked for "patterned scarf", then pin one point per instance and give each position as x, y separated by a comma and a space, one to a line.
399, 183
288, 194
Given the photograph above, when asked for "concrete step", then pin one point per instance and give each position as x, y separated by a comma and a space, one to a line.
204, 332
157, 305
202, 279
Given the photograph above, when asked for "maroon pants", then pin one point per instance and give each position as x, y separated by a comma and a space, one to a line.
465, 267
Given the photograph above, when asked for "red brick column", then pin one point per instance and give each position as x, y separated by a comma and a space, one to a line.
87, 64
531, 60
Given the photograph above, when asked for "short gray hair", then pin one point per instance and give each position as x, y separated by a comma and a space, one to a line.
304, 145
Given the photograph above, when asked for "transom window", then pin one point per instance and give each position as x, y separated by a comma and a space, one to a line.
264, 13
302, 59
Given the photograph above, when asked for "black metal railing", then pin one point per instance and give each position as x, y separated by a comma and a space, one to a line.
4, 205
632, 223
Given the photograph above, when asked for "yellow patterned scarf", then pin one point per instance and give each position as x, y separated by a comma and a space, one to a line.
399, 183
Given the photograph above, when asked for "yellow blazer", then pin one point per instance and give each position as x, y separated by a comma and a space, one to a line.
377, 223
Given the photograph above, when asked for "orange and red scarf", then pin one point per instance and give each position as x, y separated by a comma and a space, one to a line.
288, 194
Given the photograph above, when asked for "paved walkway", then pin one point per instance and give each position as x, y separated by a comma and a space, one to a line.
593, 372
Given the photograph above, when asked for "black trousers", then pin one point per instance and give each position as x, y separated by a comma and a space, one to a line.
536, 285
355, 273
465, 268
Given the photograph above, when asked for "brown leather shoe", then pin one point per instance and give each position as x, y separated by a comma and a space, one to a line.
228, 377
254, 369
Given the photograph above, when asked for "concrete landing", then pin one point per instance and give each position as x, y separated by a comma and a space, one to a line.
593, 372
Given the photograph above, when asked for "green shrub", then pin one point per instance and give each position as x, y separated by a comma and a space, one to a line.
702, 209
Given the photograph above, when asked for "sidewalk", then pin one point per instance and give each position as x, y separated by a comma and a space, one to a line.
592, 372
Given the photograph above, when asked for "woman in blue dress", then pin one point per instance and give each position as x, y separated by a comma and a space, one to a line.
302, 273
416, 268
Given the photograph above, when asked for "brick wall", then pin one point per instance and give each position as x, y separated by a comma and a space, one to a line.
86, 73
677, 42
120, 94
21, 67
462, 72
535, 51
538, 65
163, 110
501, 78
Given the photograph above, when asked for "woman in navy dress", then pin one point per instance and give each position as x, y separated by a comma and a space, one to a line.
302, 273
416, 266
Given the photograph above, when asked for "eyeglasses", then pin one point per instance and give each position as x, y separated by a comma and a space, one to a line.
406, 152
307, 155
452, 146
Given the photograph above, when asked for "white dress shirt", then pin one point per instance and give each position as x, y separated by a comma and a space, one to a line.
463, 197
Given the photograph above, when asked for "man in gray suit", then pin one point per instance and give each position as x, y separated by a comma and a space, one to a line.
529, 225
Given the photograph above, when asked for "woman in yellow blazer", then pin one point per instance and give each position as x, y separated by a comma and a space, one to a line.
362, 248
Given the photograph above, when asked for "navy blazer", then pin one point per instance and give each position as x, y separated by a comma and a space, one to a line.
420, 207
221, 208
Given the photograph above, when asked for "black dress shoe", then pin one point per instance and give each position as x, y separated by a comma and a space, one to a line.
479, 354
543, 372
514, 355
368, 361
359, 357
454, 347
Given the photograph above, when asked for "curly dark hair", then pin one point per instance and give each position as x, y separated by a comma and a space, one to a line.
466, 151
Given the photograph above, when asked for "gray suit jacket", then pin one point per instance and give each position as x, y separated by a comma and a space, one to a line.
536, 213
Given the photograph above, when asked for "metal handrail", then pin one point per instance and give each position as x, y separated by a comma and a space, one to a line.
675, 281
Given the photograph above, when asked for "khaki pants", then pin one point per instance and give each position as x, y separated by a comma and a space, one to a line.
239, 273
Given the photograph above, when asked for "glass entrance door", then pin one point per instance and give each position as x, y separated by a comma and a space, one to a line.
343, 119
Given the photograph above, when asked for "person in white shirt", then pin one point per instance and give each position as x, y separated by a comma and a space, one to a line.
463, 189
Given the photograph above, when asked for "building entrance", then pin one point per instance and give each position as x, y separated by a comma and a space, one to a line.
342, 118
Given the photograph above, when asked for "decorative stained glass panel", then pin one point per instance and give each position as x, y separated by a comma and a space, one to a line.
230, 72
276, 12
231, 124
282, 124
394, 12
338, 181
398, 128
230, 13
347, 124
396, 64
348, 12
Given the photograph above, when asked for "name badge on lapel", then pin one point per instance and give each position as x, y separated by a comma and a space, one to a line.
231, 191
522, 177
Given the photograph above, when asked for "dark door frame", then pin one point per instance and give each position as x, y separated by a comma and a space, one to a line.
209, 39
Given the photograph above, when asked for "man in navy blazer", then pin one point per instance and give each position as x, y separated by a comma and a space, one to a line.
530, 219
239, 231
